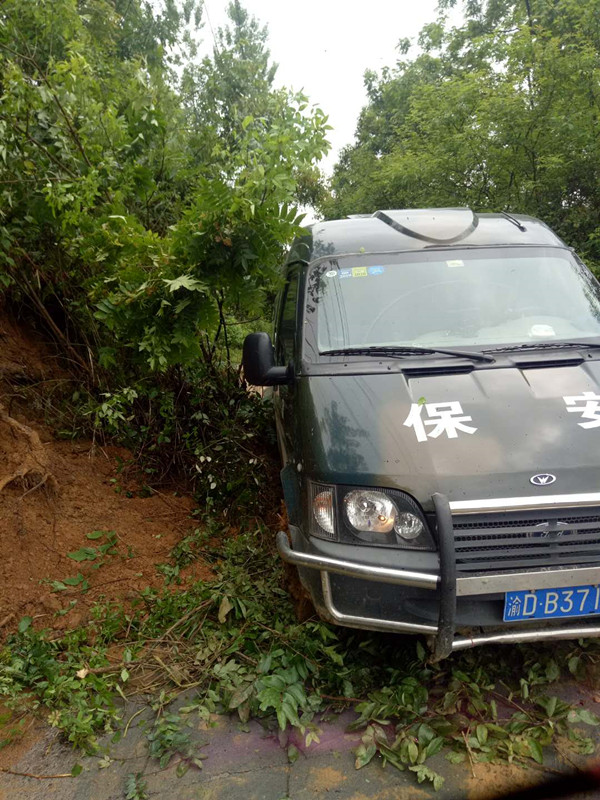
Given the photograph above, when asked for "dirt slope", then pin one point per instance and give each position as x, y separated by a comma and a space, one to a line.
54, 493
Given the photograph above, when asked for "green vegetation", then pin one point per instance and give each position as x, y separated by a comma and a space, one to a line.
500, 113
146, 197
237, 643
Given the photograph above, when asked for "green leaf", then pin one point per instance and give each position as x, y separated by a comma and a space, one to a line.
434, 746
536, 750
269, 698
413, 752
455, 757
77, 770
24, 624
587, 716
552, 670
292, 753
289, 709
241, 694
425, 733
281, 718
83, 554
450, 699
184, 282
573, 664
95, 535
296, 690
74, 580
482, 734
551, 706
182, 768
364, 755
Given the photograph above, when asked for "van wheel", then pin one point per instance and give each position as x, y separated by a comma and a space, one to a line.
303, 605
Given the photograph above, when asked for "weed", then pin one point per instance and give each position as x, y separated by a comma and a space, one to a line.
170, 736
109, 548
135, 787
190, 547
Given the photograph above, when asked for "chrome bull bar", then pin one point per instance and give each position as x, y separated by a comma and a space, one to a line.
445, 641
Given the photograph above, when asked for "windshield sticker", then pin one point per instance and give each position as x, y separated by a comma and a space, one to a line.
376, 270
445, 418
345, 273
588, 405
456, 263
541, 331
331, 274
359, 272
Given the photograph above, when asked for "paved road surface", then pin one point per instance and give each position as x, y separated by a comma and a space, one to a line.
248, 765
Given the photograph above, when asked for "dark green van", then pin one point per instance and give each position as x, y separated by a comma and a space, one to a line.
437, 401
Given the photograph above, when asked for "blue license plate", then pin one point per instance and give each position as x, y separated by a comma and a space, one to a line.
573, 601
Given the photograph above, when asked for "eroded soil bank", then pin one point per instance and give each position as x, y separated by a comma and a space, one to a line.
74, 529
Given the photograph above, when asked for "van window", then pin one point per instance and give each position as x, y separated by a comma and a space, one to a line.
480, 297
286, 341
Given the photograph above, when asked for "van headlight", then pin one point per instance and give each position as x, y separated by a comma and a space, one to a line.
369, 510
371, 516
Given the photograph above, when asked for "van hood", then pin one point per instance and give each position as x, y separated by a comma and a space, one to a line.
504, 426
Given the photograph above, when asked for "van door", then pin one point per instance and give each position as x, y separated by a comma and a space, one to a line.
286, 336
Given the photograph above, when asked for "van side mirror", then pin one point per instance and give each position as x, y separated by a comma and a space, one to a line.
258, 360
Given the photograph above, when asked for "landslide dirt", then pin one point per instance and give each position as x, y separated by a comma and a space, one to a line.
53, 493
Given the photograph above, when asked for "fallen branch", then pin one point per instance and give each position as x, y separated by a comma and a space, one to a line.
469, 753
36, 777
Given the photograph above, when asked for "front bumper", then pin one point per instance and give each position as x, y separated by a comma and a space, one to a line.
445, 588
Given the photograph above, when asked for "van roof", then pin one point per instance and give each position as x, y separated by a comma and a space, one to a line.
416, 229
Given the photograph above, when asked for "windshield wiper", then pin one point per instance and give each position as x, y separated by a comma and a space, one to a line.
405, 350
510, 348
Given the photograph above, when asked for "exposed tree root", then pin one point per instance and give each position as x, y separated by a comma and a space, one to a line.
24, 455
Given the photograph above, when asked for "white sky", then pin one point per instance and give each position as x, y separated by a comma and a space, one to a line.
325, 46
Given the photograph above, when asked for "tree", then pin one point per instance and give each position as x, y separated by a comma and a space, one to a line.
135, 200
500, 113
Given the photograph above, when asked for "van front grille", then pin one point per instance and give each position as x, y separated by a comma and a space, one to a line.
552, 538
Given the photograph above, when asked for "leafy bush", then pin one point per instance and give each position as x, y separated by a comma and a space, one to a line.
207, 428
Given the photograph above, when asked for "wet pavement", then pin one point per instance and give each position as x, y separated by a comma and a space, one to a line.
246, 763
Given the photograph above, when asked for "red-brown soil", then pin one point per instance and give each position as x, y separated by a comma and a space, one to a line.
54, 493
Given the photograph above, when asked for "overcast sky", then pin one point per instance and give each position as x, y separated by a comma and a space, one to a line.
325, 46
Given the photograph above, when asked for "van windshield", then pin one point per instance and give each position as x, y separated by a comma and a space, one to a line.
452, 298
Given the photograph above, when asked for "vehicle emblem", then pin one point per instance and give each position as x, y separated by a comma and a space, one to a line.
543, 479
551, 530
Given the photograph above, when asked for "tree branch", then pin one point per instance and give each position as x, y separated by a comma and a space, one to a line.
42, 147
